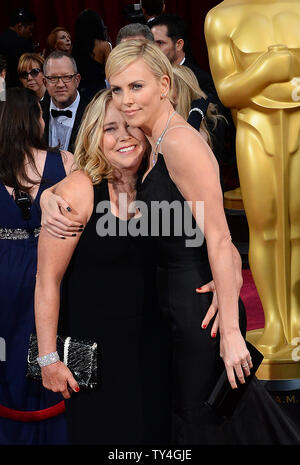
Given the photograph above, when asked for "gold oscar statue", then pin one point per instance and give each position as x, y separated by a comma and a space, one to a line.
254, 56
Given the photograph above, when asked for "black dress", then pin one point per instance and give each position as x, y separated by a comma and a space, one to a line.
92, 76
105, 299
196, 361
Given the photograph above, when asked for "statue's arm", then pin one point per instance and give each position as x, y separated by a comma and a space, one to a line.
236, 89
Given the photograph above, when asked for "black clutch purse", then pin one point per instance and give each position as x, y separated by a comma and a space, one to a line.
223, 399
80, 356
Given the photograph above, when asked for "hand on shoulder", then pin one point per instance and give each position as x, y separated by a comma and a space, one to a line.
77, 190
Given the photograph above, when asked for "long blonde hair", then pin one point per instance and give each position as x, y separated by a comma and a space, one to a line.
129, 51
186, 89
88, 155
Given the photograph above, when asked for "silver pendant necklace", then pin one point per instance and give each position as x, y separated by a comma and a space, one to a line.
160, 139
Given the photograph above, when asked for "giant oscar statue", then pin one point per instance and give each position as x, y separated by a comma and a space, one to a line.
254, 55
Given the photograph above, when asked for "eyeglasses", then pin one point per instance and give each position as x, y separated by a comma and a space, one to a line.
33, 73
65, 79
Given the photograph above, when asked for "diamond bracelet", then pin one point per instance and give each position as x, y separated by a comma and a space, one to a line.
48, 359
198, 110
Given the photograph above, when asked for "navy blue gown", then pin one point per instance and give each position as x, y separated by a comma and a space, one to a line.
23, 418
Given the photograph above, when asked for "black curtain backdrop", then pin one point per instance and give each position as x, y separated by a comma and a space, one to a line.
52, 13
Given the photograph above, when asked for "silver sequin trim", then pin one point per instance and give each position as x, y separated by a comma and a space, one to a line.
18, 234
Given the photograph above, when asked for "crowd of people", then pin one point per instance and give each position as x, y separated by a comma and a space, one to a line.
83, 126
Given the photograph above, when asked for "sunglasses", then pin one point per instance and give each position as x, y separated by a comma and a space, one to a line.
33, 73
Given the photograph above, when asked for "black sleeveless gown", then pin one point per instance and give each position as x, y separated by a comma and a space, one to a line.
107, 297
196, 361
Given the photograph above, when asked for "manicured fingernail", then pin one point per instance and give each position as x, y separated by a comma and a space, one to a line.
73, 235
213, 335
204, 326
69, 209
77, 389
62, 237
80, 230
81, 226
198, 288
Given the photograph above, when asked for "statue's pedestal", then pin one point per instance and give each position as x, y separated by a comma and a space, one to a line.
277, 366
280, 375
287, 394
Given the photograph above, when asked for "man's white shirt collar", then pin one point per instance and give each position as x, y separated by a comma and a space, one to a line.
73, 107
60, 128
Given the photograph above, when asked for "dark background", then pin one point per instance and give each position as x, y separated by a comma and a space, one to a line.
52, 13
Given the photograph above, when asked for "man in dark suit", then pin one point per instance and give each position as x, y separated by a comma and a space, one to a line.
151, 9
63, 112
171, 35
15, 41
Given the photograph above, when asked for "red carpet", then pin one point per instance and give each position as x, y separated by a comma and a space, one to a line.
250, 297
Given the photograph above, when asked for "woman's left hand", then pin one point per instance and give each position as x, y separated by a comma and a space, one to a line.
211, 312
236, 357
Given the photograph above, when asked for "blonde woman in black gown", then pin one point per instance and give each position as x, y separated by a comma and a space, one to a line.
103, 293
183, 168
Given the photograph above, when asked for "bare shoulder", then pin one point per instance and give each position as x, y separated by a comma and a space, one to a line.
101, 50
77, 190
182, 139
102, 45
186, 149
78, 181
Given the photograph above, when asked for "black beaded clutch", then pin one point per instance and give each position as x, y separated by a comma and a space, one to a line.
223, 400
80, 356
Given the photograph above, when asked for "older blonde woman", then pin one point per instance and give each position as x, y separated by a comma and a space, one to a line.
103, 292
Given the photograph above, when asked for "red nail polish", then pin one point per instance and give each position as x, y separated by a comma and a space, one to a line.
198, 288
213, 335
204, 326
77, 389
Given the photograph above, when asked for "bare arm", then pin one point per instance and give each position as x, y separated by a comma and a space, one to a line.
194, 172
54, 256
54, 220
210, 287
101, 51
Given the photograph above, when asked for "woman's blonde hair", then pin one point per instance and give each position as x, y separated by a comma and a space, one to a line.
186, 89
129, 51
27, 58
88, 155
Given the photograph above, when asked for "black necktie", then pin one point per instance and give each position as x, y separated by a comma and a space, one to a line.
56, 113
